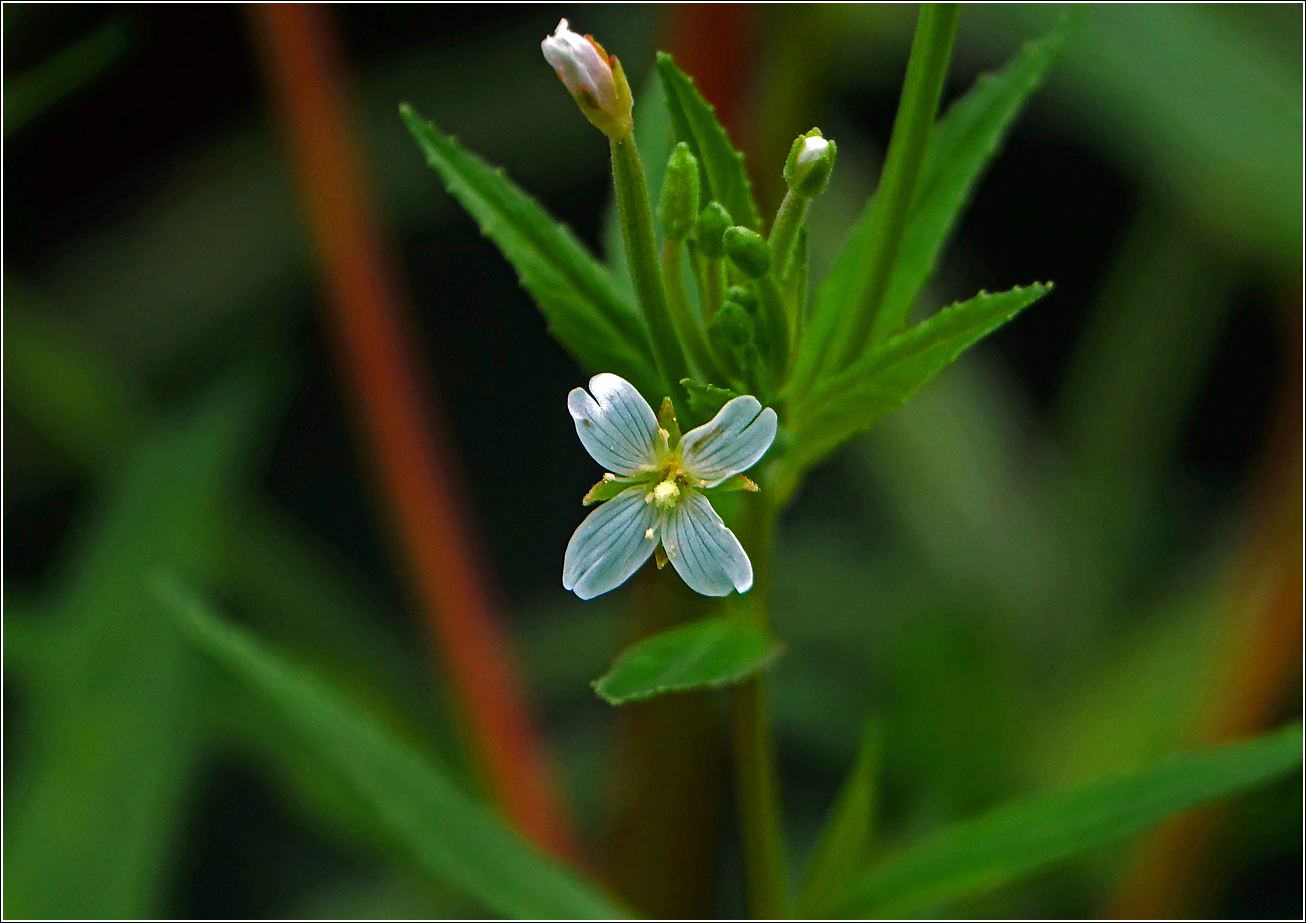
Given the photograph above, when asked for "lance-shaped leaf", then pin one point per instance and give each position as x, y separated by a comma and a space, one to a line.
853, 400
962, 144
450, 836
583, 306
694, 122
1026, 835
714, 652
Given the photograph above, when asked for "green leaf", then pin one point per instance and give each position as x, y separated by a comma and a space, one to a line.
694, 121
845, 839
454, 839
578, 297
29, 94
1022, 837
706, 400
714, 652
963, 143
856, 398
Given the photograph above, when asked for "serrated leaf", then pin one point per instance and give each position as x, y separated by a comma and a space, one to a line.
706, 400
856, 398
1029, 834
962, 144
448, 834
694, 121
578, 297
717, 651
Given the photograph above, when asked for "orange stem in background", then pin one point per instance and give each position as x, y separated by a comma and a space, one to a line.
1171, 874
302, 61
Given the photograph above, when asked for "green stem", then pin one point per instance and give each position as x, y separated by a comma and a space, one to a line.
930, 52
771, 301
793, 210
711, 275
642, 255
687, 326
754, 748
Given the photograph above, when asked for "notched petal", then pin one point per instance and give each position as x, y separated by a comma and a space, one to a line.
706, 554
616, 425
610, 545
731, 442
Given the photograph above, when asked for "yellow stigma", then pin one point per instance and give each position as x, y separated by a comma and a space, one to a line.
666, 494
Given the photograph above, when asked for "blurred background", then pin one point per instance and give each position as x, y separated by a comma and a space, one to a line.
1076, 551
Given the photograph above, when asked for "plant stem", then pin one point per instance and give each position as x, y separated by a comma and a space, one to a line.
642, 254
771, 301
711, 276
785, 231
754, 748
687, 326
930, 52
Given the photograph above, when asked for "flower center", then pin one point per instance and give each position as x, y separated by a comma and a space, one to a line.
666, 494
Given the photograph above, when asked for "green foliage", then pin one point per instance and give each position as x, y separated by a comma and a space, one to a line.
1019, 838
706, 400
961, 145
845, 839
445, 832
95, 800
718, 651
578, 297
850, 402
695, 123
28, 95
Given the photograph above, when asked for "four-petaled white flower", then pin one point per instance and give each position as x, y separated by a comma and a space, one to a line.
660, 484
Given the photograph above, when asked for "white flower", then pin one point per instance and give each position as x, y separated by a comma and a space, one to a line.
589, 75
659, 484
813, 149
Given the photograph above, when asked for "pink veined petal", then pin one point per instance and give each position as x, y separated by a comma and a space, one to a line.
706, 554
611, 544
616, 425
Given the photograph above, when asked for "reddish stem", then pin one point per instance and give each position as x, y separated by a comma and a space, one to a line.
302, 61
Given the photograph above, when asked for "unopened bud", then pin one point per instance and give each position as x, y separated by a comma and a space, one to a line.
678, 206
593, 78
742, 296
808, 166
748, 251
731, 328
709, 228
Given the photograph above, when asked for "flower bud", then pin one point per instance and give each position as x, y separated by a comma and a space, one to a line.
744, 297
748, 251
679, 203
593, 78
808, 166
731, 328
709, 228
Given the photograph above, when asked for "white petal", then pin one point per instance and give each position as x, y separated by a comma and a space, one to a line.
580, 65
617, 426
610, 544
703, 551
813, 149
732, 441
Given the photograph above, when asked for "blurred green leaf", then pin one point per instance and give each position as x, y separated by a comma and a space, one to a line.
706, 400
29, 94
63, 385
451, 837
695, 123
717, 651
92, 807
1021, 837
962, 144
576, 294
845, 838
854, 399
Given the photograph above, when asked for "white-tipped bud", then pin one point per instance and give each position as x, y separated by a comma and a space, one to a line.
813, 149
592, 77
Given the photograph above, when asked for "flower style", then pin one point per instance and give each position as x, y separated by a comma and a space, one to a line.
593, 78
654, 486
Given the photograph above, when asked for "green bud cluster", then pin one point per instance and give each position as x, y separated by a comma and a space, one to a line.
709, 230
678, 206
749, 252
